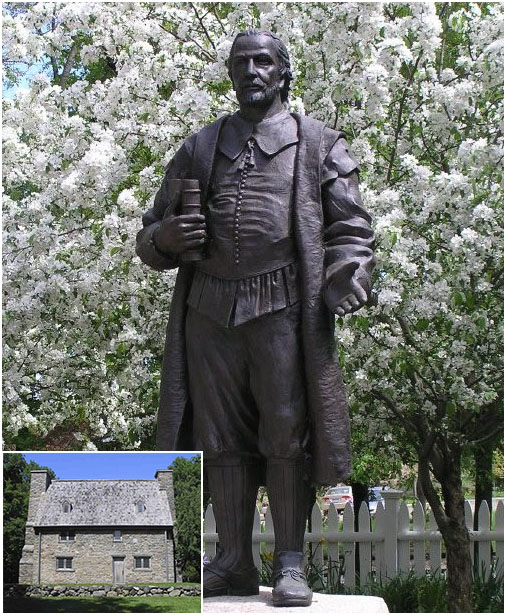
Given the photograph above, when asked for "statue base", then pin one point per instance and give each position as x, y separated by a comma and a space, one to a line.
322, 603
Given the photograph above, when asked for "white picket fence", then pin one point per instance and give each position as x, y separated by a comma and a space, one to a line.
399, 540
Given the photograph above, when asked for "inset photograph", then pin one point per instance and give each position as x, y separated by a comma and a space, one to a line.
102, 532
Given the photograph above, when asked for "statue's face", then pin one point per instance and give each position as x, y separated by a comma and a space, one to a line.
255, 70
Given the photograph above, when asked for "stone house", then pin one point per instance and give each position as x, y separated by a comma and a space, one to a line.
99, 531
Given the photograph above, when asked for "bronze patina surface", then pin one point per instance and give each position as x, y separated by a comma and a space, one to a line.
250, 372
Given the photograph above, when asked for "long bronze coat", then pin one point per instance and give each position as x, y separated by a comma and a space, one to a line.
321, 243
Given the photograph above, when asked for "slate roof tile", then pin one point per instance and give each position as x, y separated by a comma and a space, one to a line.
104, 503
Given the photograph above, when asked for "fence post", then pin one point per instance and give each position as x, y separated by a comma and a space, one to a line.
499, 527
484, 546
210, 536
257, 533
392, 502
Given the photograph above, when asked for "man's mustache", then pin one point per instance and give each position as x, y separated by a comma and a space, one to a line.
249, 84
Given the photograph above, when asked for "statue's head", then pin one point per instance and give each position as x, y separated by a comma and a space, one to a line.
274, 46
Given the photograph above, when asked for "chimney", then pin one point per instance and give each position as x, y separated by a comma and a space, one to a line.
39, 483
164, 477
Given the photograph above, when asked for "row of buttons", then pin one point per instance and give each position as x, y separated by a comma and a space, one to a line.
242, 183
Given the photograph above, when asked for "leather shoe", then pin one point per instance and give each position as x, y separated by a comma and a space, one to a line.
289, 580
218, 581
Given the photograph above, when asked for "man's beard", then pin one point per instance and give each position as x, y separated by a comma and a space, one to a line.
261, 98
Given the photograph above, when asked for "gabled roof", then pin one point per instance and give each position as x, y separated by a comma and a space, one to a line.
104, 503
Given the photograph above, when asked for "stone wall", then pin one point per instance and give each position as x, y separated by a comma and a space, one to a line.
93, 550
46, 591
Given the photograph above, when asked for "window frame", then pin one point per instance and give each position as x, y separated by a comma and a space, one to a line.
120, 539
143, 558
71, 536
65, 559
66, 505
140, 507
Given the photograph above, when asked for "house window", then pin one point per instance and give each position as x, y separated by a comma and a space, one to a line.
117, 535
142, 563
66, 507
140, 507
64, 563
67, 536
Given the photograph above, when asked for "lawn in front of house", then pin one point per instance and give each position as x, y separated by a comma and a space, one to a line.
111, 604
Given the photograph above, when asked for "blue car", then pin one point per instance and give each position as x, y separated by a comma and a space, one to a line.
375, 497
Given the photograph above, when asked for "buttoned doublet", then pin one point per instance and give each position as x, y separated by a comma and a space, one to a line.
250, 267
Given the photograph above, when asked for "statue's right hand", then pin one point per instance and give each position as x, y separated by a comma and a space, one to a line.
176, 234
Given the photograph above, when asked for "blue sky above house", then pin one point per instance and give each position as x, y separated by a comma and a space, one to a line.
105, 465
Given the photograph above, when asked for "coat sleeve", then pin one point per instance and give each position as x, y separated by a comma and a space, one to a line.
348, 236
178, 168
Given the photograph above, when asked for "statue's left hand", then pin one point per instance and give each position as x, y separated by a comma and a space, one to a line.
343, 293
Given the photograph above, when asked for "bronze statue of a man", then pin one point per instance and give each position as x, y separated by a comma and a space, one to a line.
250, 372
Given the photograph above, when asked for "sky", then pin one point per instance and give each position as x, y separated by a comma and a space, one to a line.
105, 465
24, 82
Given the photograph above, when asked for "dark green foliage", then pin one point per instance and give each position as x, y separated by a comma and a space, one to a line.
186, 478
488, 593
266, 570
406, 593
16, 493
409, 594
328, 579
101, 70
26, 441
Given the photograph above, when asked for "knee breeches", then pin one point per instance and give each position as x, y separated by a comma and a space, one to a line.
247, 386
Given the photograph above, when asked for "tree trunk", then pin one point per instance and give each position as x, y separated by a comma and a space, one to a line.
451, 523
483, 486
456, 537
483, 456
419, 494
360, 494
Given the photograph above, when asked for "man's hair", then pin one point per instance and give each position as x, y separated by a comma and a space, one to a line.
285, 70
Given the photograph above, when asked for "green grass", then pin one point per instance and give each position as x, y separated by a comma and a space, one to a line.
140, 604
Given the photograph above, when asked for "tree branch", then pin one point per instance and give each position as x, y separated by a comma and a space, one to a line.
213, 9
430, 493
393, 408
408, 336
399, 117
203, 26
68, 65
178, 38
54, 67
489, 437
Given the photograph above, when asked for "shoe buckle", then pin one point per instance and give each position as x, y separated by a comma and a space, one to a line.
296, 575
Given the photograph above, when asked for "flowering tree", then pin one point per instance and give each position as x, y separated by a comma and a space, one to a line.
417, 87
427, 357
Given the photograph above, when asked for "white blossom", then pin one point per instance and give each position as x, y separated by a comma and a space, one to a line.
84, 320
